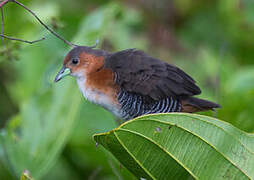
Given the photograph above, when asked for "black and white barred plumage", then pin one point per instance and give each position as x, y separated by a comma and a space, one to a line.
134, 105
130, 83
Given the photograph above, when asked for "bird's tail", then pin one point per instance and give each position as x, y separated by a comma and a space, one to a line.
192, 104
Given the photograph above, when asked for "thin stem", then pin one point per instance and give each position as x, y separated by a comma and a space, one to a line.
48, 28
4, 2
21, 40
2, 15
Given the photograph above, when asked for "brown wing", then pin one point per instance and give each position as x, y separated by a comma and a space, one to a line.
139, 73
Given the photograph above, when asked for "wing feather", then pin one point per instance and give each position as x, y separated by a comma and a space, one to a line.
142, 74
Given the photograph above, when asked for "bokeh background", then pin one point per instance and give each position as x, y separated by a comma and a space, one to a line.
47, 128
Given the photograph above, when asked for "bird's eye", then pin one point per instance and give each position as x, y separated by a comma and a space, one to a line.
75, 61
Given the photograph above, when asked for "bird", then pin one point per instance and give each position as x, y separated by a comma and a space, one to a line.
130, 83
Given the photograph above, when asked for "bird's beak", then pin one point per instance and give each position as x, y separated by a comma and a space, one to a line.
62, 73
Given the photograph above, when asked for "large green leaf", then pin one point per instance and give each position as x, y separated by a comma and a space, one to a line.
181, 146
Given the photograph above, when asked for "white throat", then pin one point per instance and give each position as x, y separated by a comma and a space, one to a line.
97, 97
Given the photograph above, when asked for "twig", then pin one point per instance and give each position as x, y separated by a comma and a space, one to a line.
21, 40
38, 19
2, 15
4, 2
44, 25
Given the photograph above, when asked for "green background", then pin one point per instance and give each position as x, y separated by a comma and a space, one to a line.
47, 128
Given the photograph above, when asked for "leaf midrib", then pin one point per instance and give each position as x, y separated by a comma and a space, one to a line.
247, 148
119, 140
149, 139
168, 123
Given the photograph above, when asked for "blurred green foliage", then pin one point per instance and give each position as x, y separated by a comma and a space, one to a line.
47, 128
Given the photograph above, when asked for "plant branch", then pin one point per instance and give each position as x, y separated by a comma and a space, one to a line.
4, 2
2, 30
21, 40
44, 25
37, 18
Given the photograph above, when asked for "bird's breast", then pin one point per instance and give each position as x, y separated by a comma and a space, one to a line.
99, 88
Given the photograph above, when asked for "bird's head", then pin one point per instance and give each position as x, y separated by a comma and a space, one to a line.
80, 61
